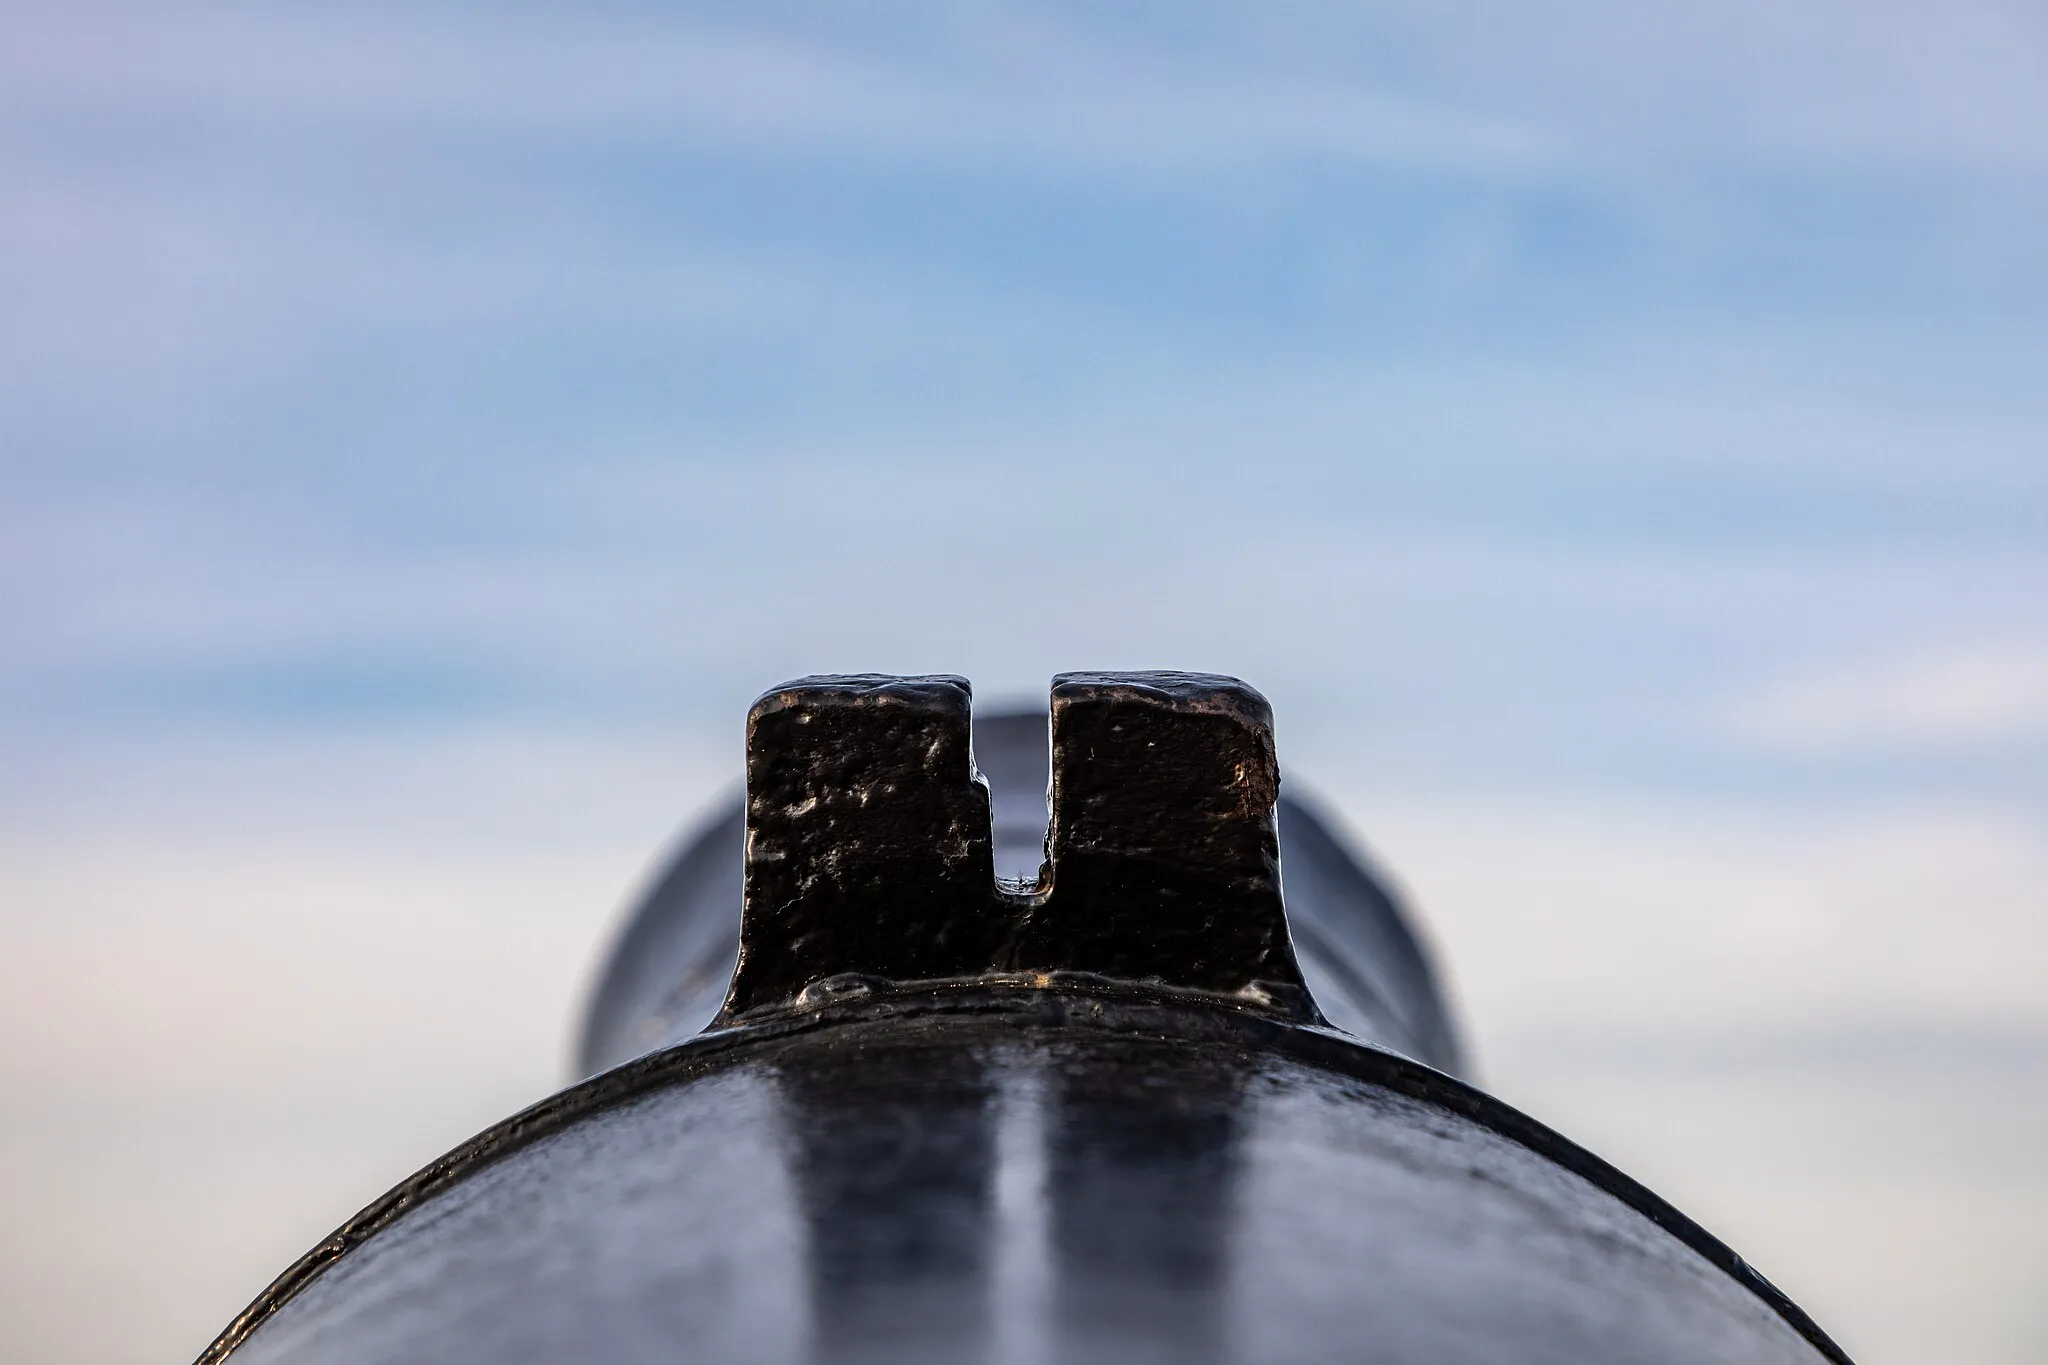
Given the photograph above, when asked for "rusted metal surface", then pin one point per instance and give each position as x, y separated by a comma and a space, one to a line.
944, 1117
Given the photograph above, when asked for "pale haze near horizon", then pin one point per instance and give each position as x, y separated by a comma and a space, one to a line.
1613, 438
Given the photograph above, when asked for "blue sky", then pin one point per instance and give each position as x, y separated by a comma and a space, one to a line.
396, 363
1614, 438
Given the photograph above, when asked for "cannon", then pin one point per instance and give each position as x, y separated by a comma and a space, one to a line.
1116, 1053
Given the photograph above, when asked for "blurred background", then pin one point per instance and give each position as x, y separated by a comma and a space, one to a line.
1615, 437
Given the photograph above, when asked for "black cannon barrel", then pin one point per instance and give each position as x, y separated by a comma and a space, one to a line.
896, 1066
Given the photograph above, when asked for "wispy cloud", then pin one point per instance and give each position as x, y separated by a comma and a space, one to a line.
1950, 700
1609, 432
1820, 80
1011, 83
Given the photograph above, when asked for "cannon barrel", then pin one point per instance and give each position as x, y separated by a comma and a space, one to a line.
1120, 1055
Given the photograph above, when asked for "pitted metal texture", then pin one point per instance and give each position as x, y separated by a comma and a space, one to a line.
869, 843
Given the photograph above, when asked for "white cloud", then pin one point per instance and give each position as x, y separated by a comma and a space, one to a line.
1006, 85
1502, 88
1447, 554
1961, 700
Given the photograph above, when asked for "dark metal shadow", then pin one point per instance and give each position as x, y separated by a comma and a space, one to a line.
893, 1159
1142, 1168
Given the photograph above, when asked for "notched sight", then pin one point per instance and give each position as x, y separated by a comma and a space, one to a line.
869, 853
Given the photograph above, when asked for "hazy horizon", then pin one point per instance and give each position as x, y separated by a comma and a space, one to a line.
1612, 439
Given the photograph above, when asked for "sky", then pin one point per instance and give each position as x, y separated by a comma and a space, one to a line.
1613, 437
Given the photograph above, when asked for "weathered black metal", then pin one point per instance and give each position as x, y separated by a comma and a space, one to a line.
1162, 864
861, 791
1084, 1114
1163, 858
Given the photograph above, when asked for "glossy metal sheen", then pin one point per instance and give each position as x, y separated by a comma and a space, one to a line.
1037, 1176
1086, 1111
